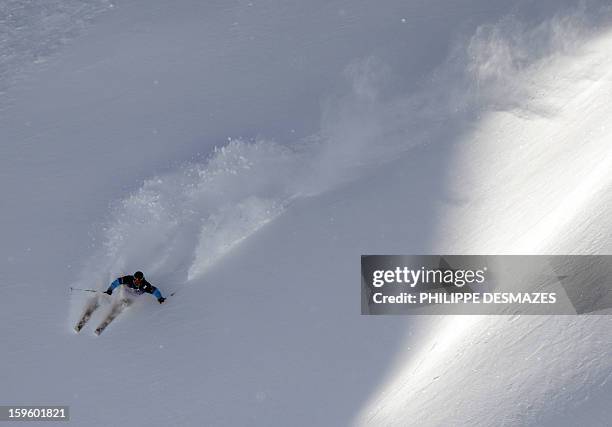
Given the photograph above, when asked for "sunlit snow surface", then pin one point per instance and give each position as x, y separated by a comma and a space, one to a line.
245, 155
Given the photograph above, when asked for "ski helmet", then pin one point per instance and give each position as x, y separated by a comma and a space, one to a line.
138, 275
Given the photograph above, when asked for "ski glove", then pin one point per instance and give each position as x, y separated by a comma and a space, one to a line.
161, 300
108, 292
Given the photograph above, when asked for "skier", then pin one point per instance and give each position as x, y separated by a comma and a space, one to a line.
137, 285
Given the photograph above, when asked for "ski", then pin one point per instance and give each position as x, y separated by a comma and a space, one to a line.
115, 311
89, 309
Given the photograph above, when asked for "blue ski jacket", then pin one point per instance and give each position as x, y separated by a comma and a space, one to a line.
139, 289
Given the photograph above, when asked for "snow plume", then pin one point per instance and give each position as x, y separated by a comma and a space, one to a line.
373, 121
185, 221
499, 59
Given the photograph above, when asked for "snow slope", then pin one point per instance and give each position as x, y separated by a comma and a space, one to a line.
534, 370
341, 128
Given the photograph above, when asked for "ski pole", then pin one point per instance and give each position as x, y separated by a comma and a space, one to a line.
84, 290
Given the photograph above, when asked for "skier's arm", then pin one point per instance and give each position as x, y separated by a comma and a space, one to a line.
156, 293
113, 286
